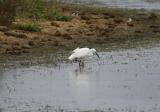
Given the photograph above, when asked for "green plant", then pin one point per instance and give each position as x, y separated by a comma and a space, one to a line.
32, 8
38, 10
50, 13
63, 18
28, 27
58, 17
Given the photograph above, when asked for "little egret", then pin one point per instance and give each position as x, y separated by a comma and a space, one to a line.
129, 20
81, 54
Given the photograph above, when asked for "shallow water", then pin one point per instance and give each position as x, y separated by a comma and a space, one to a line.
146, 4
121, 81
138, 4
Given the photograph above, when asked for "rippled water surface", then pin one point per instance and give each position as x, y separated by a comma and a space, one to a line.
147, 4
121, 81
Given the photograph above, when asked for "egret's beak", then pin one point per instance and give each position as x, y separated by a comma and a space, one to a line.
97, 55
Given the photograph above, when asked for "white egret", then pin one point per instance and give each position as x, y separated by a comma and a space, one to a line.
129, 20
81, 54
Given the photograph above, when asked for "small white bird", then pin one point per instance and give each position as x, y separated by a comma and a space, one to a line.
129, 20
81, 54
75, 14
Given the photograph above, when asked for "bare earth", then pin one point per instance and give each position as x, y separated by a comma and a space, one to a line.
87, 28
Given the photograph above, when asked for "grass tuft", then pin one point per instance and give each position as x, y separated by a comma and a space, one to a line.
63, 18
28, 27
58, 17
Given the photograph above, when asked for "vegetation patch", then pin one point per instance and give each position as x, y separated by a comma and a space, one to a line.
7, 11
63, 18
58, 17
28, 27
91, 26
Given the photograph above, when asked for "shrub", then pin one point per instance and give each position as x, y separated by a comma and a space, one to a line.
32, 8
8, 11
38, 10
28, 27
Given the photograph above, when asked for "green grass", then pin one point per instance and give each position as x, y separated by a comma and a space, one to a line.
55, 15
40, 10
84, 9
28, 27
63, 18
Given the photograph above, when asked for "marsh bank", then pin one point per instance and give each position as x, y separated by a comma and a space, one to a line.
37, 77
93, 26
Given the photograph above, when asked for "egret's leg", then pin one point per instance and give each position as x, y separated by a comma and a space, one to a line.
81, 64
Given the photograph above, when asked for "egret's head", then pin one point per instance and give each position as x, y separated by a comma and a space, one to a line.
95, 52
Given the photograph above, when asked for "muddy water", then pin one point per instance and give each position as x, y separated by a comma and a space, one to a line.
121, 81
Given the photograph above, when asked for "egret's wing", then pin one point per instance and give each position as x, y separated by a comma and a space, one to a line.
76, 50
71, 57
82, 52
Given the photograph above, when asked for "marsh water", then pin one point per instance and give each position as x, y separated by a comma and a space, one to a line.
138, 4
146, 4
121, 81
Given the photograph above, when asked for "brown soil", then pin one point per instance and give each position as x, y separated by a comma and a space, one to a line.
84, 29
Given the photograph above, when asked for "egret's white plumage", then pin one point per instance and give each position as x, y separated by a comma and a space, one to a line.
82, 53
76, 13
129, 20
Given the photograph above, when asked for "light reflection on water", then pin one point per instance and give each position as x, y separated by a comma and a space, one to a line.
120, 80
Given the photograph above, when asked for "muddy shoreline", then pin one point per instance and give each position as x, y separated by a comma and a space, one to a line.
93, 26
